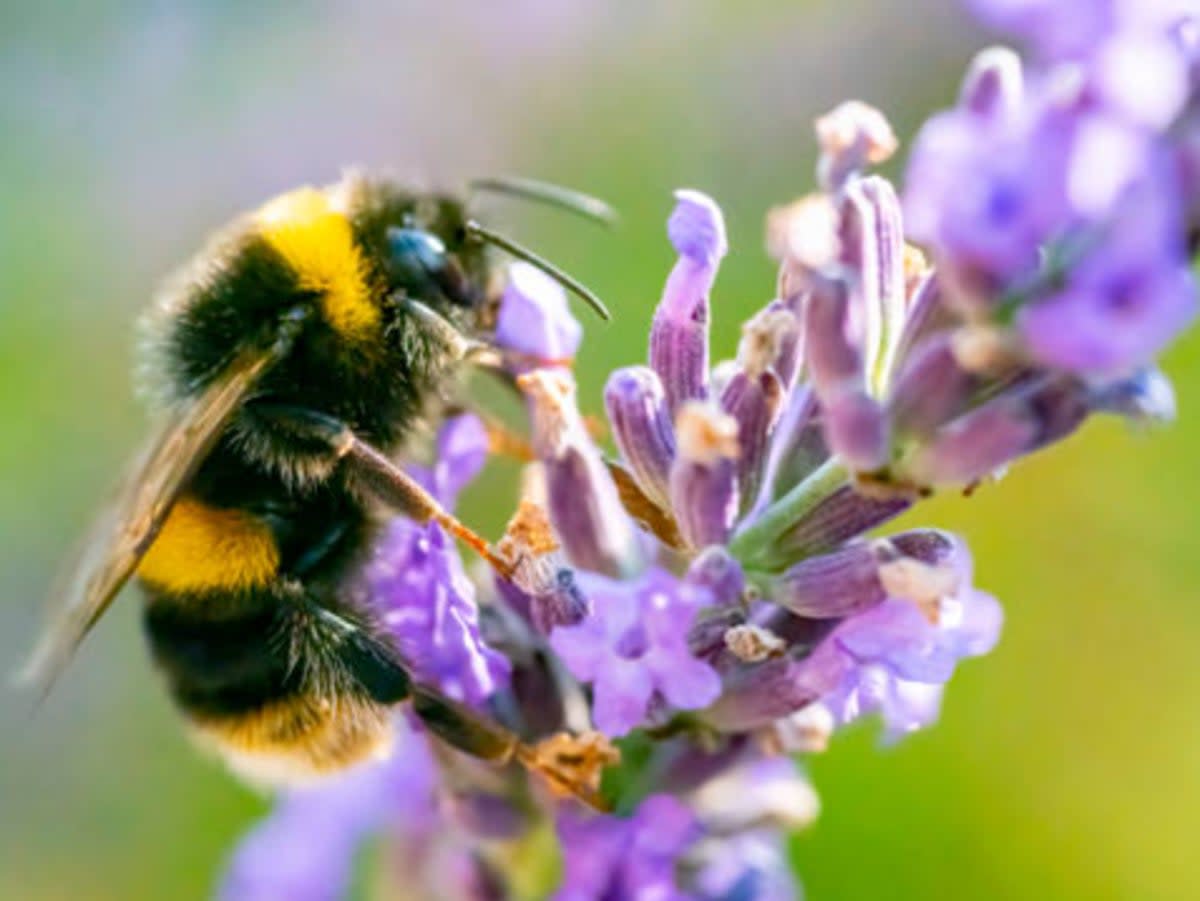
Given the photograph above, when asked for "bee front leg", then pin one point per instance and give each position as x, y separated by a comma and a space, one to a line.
374, 473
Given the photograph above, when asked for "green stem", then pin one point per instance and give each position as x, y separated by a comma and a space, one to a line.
752, 542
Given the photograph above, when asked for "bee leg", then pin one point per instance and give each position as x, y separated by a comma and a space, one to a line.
378, 475
570, 765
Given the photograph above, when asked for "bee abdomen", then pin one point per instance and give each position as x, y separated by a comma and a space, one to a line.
283, 689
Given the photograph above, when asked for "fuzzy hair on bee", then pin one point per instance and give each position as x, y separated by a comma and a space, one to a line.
290, 361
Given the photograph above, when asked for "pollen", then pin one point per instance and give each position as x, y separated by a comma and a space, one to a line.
202, 548
705, 434
316, 241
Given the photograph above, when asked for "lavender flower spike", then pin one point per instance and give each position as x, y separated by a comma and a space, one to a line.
679, 334
704, 484
714, 600
582, 499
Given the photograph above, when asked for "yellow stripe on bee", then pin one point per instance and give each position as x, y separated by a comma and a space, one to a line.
317, 242
203, 548
297, 740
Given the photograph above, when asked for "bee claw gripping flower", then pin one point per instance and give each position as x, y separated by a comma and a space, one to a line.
676, 617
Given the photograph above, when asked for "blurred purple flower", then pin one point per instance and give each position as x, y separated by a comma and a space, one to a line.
1127, 297
1066, 204
534, 318
633, 646
633, 858
751, 865
987, 193
1063, 29
460, 452
304, 850
416, 584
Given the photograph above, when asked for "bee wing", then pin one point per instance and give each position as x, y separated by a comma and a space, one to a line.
127, 527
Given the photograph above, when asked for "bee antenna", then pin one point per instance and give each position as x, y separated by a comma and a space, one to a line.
479, 233
591, 208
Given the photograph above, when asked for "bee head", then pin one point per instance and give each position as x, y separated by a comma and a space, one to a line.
429, 256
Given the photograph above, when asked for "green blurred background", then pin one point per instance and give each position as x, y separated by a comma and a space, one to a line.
1067, 764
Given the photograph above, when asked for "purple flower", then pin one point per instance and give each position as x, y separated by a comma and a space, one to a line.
1060, 29
747, 865
743, 810
416, 584
1065, 204
987, 192
1127, 297
919, 565
534, 318
460, 452
897, 660
306, 847
1057, 203
914, 618
633, 858
633, 647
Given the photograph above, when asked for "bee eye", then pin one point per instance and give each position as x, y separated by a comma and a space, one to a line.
420, 265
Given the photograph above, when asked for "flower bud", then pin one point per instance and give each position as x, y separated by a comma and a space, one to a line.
994, 83
915, 565
679, 333
852, 136
931, 388
637, 410
704, 491
872, 237
1146, 398
753, 401
1009, 426
582, 499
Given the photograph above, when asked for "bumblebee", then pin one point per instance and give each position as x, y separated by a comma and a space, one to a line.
294, 357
